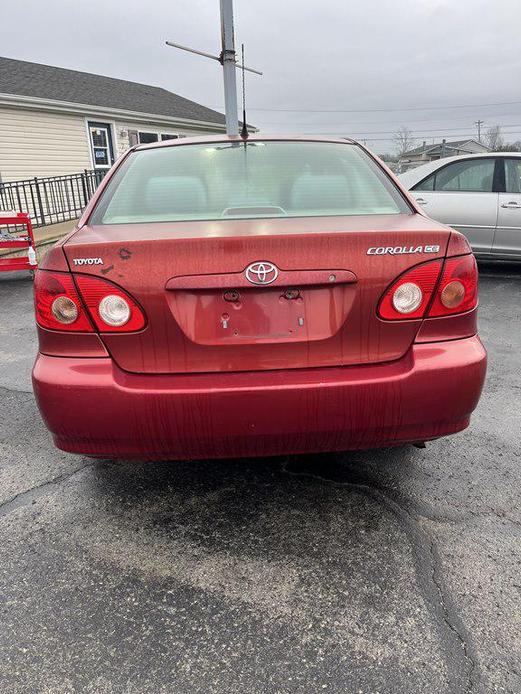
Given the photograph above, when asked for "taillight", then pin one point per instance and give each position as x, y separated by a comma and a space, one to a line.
111, 308
458, 289
57, 304
410, 294
418, 294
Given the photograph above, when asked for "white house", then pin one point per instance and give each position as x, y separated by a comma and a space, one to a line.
55, 121
438, 150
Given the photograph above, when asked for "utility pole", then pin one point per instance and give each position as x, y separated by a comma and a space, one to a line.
227, 58
228, 63
478, 125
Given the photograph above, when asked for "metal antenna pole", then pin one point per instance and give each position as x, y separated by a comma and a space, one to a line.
228, 60
209, 55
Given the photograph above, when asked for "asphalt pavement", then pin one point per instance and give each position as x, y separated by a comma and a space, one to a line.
388, 571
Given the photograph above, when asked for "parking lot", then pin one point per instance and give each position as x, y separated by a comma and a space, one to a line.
381, 571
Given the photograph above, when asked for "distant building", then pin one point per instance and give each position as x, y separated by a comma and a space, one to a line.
439, 150
55, 121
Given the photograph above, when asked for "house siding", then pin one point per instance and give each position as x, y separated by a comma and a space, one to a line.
40, 143
35, 142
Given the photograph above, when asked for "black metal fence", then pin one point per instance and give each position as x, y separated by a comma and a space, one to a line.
53, 199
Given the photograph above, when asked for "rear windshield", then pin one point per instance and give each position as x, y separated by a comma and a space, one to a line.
245, 180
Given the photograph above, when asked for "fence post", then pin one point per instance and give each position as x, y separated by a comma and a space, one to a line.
39, 198
84, 182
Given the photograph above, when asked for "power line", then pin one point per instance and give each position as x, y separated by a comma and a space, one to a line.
387, 139
426, 133
417, 133
384, 110
438, 120
344, 134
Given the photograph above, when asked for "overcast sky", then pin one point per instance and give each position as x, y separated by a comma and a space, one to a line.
367, 58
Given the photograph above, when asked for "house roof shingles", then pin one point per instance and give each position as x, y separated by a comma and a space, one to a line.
452, 144
22, 78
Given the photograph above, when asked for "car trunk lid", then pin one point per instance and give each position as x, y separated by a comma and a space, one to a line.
205, 315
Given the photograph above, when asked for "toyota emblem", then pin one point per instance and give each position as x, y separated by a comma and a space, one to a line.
261, 273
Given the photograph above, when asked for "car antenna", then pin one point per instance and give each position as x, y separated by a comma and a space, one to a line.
244, 130
228, 61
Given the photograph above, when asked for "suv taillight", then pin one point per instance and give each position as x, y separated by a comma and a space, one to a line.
80, 302
418, 293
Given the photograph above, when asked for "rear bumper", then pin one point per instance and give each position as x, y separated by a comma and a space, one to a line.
94, 408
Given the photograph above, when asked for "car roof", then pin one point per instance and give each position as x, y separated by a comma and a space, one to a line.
413, 176
254, 137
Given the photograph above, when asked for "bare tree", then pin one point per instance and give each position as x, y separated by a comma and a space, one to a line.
494, 138
403, 140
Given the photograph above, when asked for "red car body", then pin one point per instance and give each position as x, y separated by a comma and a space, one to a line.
216, 366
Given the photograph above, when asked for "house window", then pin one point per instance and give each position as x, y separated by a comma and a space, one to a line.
146, 138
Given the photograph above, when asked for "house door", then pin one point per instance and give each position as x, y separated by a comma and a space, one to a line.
102, 149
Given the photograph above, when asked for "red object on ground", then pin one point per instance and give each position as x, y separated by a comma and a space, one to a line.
17, 239
363, 333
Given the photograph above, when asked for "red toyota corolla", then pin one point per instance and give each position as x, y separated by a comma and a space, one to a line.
222, 297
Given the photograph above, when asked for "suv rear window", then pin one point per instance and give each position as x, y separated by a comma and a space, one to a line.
226, 180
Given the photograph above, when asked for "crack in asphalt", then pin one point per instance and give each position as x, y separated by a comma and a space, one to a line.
427, 571
425, 511
423, 546
16, 390
450, 618
30, 495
